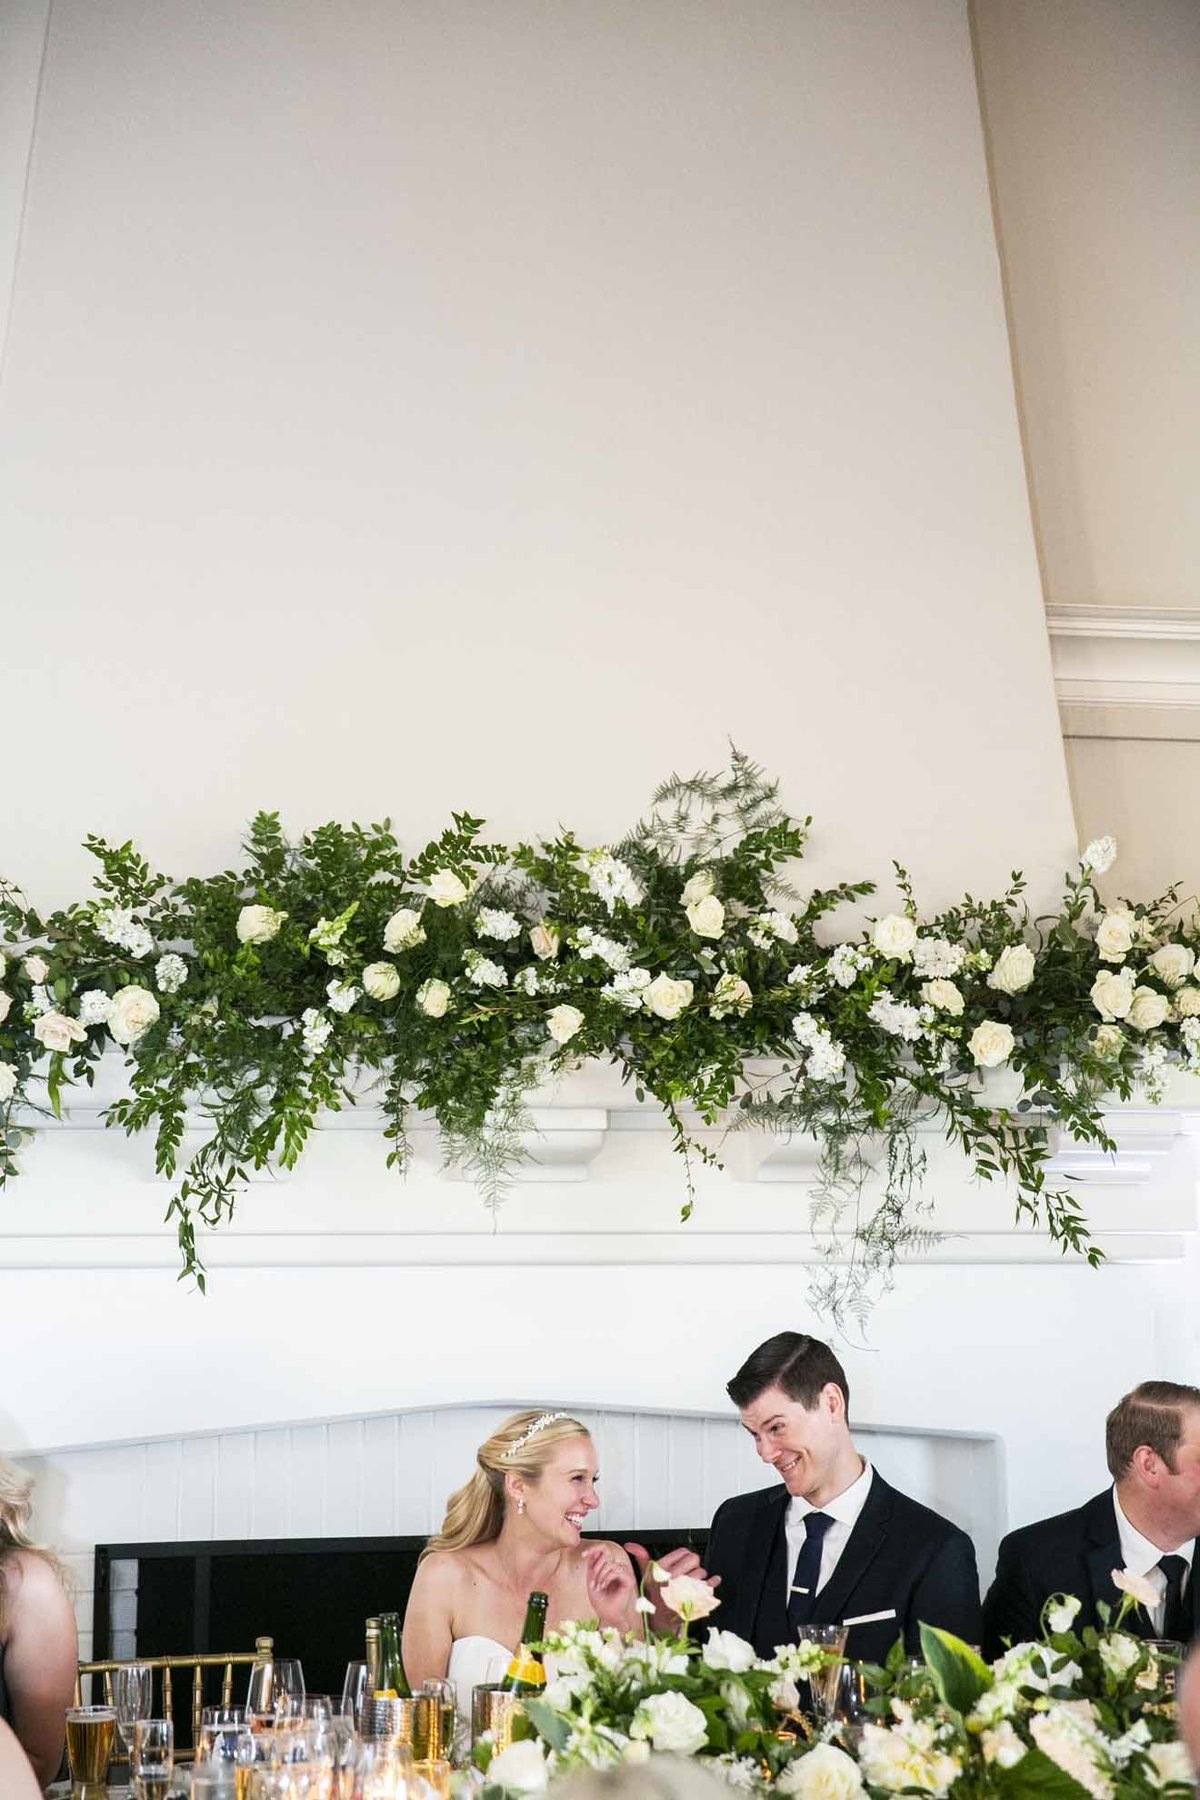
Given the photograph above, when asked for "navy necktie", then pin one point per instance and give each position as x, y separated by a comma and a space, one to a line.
803, 1593
1176, 1624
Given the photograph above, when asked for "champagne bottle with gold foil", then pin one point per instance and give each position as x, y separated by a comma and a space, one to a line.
526, 1672
392, 1681
372, 1681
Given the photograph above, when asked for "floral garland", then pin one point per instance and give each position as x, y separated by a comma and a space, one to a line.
458, 979
1064, 1718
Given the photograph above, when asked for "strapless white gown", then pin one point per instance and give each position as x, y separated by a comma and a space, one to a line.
474, 1660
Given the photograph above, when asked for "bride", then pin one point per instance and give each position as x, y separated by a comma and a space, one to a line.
514, 1527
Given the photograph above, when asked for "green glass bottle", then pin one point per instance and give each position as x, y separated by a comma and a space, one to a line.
526, 1672
392, 1681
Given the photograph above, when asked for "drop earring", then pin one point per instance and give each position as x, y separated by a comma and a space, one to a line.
520, 1504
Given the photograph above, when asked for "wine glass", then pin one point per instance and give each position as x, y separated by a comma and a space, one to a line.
354, 1690
289, 1687
131, 1698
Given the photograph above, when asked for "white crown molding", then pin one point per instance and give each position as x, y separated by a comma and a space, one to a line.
1126, 671
1067, 619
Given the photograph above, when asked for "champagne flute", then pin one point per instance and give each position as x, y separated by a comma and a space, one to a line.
132, 1700
354, 1690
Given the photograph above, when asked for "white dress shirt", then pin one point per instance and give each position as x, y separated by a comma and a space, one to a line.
843, 1510
1140, 1557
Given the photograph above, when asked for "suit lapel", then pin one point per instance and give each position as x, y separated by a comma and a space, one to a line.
761, 1539
866, 1539
1102, 1555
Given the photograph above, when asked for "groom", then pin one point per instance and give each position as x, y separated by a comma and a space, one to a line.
830, 1542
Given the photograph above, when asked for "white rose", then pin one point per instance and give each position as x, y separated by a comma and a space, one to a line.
1115, 934
381, 980
5, 1006
726, 1650
1149, 1009
433, 997
1171, 1764
707, 917
1014, 969
8, 1082
1173, 963
1100, 855
895, 936
671, 1723
133, 1011
544, 941
56, 1031
403, 930
445, 888
942, 994
563, 1022
521, 1768
1108, 1041
37, 968
1112, 994
1062, 1613
259, 924
731, 995
824, 1773
689, 1597
666, 997
1187, 1002
991, 1044
1119, 1652
699, 886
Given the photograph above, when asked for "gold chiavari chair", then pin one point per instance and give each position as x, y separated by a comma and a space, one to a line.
170, 1666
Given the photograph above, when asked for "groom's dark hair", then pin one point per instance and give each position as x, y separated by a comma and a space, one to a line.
800, 1365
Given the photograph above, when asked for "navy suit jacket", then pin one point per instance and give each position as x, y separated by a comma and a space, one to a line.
902, 1565
1073, 1553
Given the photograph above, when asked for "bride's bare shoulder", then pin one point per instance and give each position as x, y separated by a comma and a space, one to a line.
442, 1571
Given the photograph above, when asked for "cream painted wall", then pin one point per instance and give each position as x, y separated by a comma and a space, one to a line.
1093, 118
1146, 793
497, 406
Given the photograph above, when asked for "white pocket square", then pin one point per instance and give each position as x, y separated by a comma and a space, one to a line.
870, 1618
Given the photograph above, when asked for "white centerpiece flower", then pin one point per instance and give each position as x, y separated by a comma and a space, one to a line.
942, 994
1062, 1612
707, 917
494, 923
403, 930
1112, 994
1014, 969
259, 924
170, 973
433, 997
726, 1650
667, 997
342, 995
37, 968
1173, 964
698, 887
544, 940
381, 980
1138, 1587
689, 1597
133, 1011
824, 1773
895, 937
446, 888
1148, 1009
991, 1043
672, 1724
563, 1022
1115, 935
8, 1082
521, 1768
5, 1006
731, 995
1099, 856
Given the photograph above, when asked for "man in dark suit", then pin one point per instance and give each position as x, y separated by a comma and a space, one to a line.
831, 1542
1147, 1522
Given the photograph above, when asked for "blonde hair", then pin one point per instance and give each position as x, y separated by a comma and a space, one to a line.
661, 1778
475, 1511
16, 1506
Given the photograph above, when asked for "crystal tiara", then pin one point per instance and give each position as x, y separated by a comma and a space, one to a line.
539, 1424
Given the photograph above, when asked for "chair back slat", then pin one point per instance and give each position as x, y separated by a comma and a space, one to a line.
226, 1661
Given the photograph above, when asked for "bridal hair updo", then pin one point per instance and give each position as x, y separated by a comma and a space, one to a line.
16, 1505
523, 1445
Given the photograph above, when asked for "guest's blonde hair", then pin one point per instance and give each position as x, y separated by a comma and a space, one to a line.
661, 1778
523, 1445
16, 1505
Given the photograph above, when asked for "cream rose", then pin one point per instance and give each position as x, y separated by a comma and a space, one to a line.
689, 1597
895, 937
37, 968
671, 1723
55, 1031
1115, 934
942, 994
258, 924
403, 930
698, 886
445, 888
823, 1773
1187, 1002
1108, 1041
1173, 963
666, 997
5, 1006
1112, 994
133, 1011
1149, 1009
544, 941
521, 1769
706, 917
381, 980
726, 1650
991, 1043
433, 997
8, 1082
563, 1022
1014, 969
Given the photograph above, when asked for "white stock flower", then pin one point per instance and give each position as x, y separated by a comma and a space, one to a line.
170, 973
544, 941
433, 997
906, 1756
628, 989
1108, 1042
610, 878
1075, 1745
1173, 964
41, 1000
1099, 856
726, 1650
8, 1082
706, 917
1187, 1002
483, 972
490, 922
991, 1043
846, 964
342, 995
258, 924
937, 958
741, 1773
731, 995
1137, 1587
381, 980
563, 1022
403, 930
37, 968
826, 1058
943, 995
1062, 1612
1115, 935
1119, 1652
1002, 1745
593, 946
689, 1597
895, 936
698, 887
446, 889
666, 997
521, 1768
1148, 1009
316, 1032
671, 1723
1112, 993
133, 1011
94, 1007
897, 1018
1014, 969
823, 1773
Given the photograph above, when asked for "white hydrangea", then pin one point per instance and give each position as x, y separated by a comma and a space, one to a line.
937, 958
739, 1772
527, 980
170, 973
592, 944
846, 964
611, 879
342, 995
484, 973
898, 1018
94, 1007
490, 922
628, 989
799, 974
316, 1032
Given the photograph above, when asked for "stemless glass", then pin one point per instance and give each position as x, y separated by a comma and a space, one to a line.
153, 1758
90, 1733
132, 1699
226, 1739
